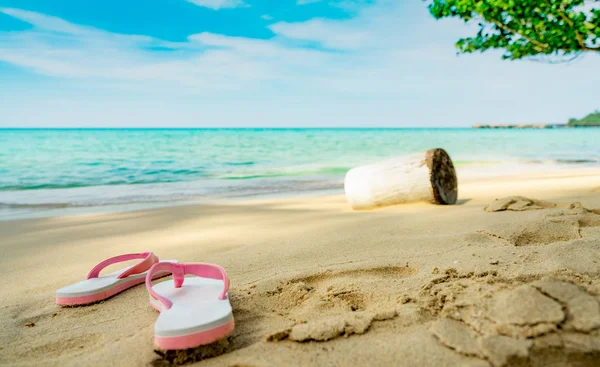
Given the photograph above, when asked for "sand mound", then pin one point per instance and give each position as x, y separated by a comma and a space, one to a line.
509, 322
576, 211
517, 203
548, 226
332, 294
326, 329
330, 328
344, 300
497, 349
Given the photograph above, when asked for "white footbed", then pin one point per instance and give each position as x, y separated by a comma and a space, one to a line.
102, 283
196, 307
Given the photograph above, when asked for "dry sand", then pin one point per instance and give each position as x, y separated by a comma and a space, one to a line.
314, 283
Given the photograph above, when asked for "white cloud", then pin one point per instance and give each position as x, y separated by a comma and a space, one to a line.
266, 17
206, 62
330, 34
220, 4
375, 25
59, 48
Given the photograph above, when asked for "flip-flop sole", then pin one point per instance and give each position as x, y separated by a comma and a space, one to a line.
105, 294
196, 339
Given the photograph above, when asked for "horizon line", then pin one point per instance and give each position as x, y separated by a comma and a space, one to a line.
237, 127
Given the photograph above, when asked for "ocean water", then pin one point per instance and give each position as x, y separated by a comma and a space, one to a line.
43, 169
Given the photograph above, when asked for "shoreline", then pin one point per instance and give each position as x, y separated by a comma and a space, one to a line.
466, 174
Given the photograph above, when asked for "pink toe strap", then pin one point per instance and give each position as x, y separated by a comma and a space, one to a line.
179, 271
149, 259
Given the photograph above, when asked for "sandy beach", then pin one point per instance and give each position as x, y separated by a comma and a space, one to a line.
315, 283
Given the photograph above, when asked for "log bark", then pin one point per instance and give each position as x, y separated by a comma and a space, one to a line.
426, 176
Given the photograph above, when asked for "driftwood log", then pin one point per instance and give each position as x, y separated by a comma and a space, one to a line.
426, 176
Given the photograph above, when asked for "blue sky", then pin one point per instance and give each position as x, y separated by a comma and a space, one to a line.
269, 63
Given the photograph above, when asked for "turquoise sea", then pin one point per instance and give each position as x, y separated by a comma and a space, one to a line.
42, 169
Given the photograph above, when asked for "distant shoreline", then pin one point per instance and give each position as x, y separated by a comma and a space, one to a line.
529, 126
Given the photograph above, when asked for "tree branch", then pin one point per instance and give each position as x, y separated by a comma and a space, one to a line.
578, 35
499, 24
525, 28
570, 22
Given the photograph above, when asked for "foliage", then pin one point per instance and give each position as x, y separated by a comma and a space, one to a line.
593, 119
526, 28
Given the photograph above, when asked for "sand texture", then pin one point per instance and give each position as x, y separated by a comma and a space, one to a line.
510, 276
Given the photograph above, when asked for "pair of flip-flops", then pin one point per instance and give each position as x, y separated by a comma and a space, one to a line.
193, 311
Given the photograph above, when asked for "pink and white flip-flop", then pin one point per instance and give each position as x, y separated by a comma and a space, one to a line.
191, 314
98, 287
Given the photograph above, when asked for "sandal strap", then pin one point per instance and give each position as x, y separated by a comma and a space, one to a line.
179, 271
149, 259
